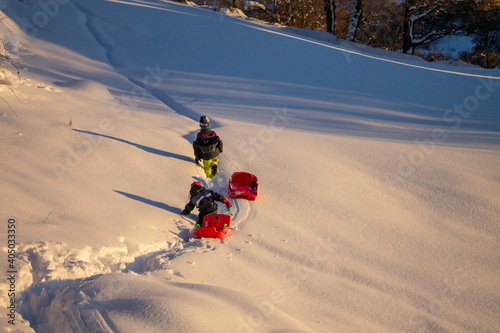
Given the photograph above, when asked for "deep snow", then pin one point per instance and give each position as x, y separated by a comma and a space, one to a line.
378, 200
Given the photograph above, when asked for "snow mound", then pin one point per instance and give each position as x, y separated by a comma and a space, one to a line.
88, 87
49, 261
5, 80
95, 304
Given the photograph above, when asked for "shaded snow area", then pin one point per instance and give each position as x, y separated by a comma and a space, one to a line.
378, 206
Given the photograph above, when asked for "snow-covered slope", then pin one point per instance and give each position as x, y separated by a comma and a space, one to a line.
378, 199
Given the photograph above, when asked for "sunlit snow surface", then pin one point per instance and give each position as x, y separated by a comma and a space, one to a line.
378, 177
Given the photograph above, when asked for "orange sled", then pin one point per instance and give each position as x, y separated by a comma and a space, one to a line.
214, 226
243, 185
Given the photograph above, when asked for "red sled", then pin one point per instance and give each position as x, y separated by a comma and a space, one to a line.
243, 185
214, 226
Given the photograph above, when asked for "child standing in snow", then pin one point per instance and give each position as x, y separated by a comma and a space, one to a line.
207, 147
204, 200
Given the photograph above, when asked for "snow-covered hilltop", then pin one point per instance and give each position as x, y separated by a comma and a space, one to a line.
378, 178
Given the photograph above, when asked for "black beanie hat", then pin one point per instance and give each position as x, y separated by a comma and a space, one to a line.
204, 122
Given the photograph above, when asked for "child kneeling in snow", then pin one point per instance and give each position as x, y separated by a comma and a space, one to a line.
204, 200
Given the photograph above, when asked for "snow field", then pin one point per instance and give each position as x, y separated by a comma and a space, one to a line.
378, 198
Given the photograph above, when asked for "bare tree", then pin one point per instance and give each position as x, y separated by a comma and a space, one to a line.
428, 20
355, 20
299, 14
483, 23
381, 25
330, 16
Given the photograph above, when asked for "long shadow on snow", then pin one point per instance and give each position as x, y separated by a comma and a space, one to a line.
377, 104
145, 148
171, 103
184, 232
150, 202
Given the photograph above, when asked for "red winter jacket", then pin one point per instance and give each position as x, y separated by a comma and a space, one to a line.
205, 134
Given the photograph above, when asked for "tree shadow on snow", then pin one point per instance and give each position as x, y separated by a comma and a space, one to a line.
145, 148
